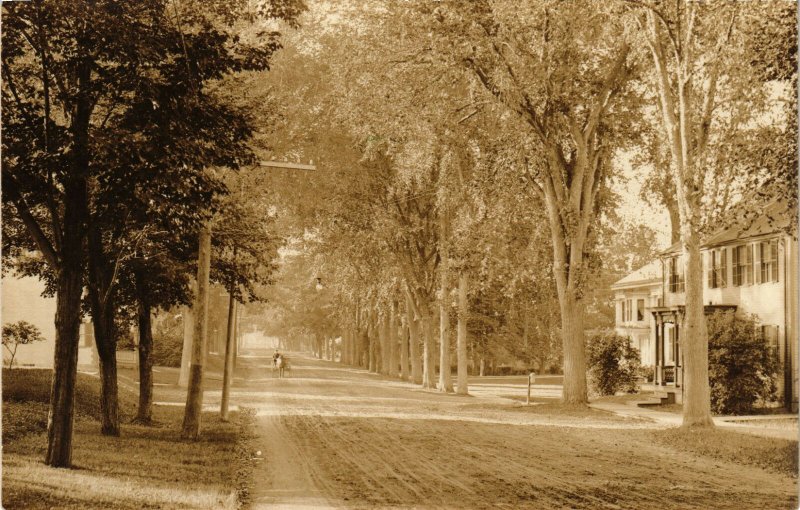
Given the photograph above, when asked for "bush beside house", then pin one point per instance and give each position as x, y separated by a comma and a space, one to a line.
742, 368
614, 365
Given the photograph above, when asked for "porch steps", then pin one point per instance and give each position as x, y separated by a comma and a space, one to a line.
664, 398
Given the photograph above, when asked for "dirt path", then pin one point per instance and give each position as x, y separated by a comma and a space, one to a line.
337, 437
282, 478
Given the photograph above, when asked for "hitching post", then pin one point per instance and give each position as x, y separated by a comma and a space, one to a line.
531, 380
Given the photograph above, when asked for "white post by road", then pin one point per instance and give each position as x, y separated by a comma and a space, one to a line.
531, 380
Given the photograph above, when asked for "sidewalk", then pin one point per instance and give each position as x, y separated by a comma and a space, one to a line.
734, 423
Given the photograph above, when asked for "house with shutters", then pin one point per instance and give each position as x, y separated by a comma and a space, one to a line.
751, 269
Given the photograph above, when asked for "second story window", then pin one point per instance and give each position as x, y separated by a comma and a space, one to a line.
742, 265
628, 311
768, 265
717, 268
677, 282
640, 310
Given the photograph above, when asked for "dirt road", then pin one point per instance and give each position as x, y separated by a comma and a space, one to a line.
332, 436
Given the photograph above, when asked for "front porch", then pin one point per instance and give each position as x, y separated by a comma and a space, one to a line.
668, 368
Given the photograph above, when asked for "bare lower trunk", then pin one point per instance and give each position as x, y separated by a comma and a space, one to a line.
392, 339
694, 340
404, 349
109, 401
413, 342
227, 375
383, 333
428, 352
461, 347
106, 340
372, 354
144, 413
65, 368
346, 339
574, 390
194, 394
483, 367
103, 308
445, 377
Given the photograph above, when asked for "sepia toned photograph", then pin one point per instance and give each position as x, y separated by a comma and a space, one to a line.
399, 254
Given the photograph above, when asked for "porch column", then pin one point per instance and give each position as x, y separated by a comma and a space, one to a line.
659, 339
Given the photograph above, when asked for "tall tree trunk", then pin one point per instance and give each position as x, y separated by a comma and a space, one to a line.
687, 113
694, 341
65, 361
413, 341
392, 339
144, 413
106, 339
103, 308
428, 354
372, 355
461, 348
404, 348
445, 377
383, 334
194, 394
69, 284
346, 342
575, 389
227, 375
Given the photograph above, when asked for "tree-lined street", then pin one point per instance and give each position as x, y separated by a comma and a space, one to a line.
482, 239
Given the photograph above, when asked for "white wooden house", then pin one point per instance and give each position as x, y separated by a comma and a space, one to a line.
752, 270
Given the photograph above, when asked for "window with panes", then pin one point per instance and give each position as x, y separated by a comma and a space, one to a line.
677, 281
717, 268
768, 261
742, 264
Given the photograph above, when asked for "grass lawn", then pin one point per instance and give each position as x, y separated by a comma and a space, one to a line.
779, 455
147, 467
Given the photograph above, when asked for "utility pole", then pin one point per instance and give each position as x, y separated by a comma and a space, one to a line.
186, 355
230, 347
194, 395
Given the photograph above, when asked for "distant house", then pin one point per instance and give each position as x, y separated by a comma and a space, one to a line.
752, 270
22, 300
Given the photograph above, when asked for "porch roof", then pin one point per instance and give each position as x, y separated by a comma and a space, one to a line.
708, 309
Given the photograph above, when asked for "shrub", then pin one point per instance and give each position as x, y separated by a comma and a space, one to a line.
742, 369
613, 364
168, 341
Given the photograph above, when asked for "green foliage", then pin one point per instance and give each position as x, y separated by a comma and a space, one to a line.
613, 364
168, 341
742, 368
19, 333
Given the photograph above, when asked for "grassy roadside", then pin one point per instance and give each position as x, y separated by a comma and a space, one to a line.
147, 467
778, 455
